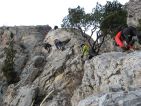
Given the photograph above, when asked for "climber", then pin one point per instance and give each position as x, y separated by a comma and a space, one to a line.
55, 27
47, 46
58, 44
92, 53
126, 38
85, 50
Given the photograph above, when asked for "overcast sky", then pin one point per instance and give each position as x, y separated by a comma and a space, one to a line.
41, 12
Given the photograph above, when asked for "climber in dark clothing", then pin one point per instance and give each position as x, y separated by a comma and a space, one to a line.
92, 53
55, 27
47, 46
58, 44
126, 38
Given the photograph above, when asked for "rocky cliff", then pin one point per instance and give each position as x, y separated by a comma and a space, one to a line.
62, 77
27, 43
50, 76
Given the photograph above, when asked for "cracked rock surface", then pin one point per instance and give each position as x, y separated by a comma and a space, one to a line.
63, 78
113, 76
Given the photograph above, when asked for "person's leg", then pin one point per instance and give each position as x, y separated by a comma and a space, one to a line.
60, 46
57, 45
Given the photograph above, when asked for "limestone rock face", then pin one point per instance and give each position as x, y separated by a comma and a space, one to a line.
134, 14
62, 78
63, 70
110, 72
56, 74
132, 98
34, 36
109, 45
24, 96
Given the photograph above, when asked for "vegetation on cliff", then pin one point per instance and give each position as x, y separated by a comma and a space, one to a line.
107, 19
8, 66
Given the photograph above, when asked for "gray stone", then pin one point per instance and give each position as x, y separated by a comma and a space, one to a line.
24, 96
61, 70
20, 62
109, 45
38, 61
110, 72
113, 99
62, 78
134, 14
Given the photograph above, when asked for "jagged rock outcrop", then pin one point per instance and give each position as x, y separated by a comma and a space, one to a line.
63, 71
63, 78
109, 45
54, 73
134, 14
24, 96
110, 79
25, 40
132, 98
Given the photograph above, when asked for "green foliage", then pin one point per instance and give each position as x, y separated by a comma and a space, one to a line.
77, 18
74, 18
108, 18
8, 67
114, 16
111, 7
98, 12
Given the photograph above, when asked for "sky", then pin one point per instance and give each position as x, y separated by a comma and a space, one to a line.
41, 12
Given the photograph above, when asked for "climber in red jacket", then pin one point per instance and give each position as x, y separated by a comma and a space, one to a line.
126, 38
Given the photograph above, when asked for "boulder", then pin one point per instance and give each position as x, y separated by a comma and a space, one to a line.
131, 98
24, 96
110, 72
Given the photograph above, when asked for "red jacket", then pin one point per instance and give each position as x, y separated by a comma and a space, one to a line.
119, 41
